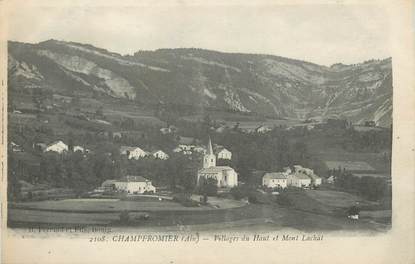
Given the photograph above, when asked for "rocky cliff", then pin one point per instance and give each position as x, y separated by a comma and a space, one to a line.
266, 84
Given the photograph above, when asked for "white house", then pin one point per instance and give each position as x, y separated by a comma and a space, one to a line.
189, 149
221, 129
177, 149
184, 149
133, 152
298, 168
199, 149
315, 180
330, 179
223, 153
287, 170
262, 129
57, 146
116, 135
165, 130
274, 180
15, 147
168, 130
299, 180
224, 175
78, 148
40, 146
131, 185
159, 154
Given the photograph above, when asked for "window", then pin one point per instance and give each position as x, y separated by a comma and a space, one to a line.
211, 160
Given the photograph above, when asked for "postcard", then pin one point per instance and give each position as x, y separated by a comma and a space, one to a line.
196, 132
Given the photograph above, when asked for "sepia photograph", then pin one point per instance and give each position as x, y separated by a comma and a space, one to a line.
162, 128
138, 121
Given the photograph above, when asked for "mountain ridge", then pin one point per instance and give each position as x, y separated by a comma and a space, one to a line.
266, 84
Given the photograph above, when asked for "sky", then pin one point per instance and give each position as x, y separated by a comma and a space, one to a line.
323, 34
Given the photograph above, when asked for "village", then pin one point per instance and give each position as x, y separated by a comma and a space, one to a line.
64, 155
225, 176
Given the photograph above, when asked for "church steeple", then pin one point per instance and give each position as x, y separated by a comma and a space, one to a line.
210, 149
209, 160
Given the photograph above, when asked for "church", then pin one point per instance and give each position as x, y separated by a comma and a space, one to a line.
225, 175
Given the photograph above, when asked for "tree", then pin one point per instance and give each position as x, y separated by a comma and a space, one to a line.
353, 210
188, 180
239, 192
208, 186
13, 185
70, 143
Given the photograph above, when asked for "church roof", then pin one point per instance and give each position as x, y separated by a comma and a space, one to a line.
224, 167
215, 169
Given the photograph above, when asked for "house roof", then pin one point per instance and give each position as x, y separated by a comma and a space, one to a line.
301, 176
199, 148
262, 127
275, 175
125, 148
156, 151
313, 176
219, 148
25, 184
132, 178
60, 142
108, 182
128, 148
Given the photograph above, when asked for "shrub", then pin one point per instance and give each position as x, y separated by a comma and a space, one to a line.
240, 192
252, 198
184, 199
124, 216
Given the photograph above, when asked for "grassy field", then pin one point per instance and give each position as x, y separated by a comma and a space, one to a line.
102, 205
313, 210
251, 218
116, 205
44, 217
245, 121
336, 204
336, 199
138, 117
